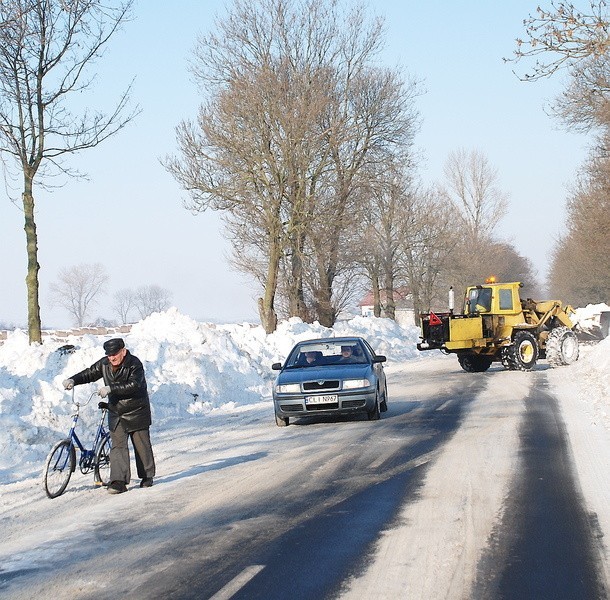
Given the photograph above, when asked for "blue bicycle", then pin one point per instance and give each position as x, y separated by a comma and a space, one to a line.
61, 461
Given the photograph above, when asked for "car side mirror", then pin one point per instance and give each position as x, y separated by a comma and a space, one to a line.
380, 358
276, 366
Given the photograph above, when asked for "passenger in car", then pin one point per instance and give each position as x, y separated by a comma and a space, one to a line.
347, 355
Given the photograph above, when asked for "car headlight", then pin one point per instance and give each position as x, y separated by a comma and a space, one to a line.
352, 384
288, 388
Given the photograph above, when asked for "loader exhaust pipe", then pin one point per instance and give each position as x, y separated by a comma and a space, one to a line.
451, 299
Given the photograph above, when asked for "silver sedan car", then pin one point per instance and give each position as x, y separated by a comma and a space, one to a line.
337, 376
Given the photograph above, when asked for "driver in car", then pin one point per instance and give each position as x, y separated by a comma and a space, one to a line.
311, 358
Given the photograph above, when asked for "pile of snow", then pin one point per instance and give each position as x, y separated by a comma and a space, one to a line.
593, 376
589, 319
191, 368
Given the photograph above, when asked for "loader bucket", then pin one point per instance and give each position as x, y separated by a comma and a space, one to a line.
604, 323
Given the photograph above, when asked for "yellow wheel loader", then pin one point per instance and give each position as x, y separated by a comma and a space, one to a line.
496, 325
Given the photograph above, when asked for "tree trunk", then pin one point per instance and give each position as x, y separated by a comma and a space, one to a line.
325, 309
390, 305
327, 261
376, 295
267, 314
297, 307
31, 280
417, 312
417, 303
266, 308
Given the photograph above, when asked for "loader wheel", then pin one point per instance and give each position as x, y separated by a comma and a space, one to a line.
474, 363
506, 357
561, 347
522, 353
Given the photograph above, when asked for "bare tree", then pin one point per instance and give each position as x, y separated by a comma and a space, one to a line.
566, 37
388, 220
254, 152
123, 303
372, 125
428, 250
151, 298
509, 265
46, 49
579, 267
563, 36
584, 105
294, 110
472, 187
78, 290
579, 41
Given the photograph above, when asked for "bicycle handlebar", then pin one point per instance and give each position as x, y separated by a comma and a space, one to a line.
79, 404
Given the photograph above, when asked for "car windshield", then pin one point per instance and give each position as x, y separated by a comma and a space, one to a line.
316, 354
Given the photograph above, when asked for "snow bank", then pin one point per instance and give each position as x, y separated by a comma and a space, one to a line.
593, 375
192, 369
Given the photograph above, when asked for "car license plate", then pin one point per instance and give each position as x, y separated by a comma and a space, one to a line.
321, 399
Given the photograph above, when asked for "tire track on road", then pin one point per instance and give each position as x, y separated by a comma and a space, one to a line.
546, 545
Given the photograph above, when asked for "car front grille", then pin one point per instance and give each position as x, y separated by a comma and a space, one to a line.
317, 386
291, 407
353, 403
328, 406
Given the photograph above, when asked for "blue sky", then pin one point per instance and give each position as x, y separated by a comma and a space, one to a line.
129, 215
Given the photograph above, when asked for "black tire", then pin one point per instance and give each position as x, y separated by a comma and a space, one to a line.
474, 363
101, 473
505, 356
58, 468
374, 414
561, 347
522, 354
282, 421
383, 405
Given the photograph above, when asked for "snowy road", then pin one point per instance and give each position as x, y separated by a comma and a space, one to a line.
463, 489
547, 544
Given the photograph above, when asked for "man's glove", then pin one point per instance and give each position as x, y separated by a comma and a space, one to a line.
102, 405
103, 391
68, 384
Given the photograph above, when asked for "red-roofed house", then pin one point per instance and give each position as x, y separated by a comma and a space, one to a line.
403, 313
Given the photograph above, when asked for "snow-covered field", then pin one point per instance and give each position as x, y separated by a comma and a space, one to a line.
208, 382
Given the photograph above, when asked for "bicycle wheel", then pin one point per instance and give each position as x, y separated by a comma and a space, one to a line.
60, 464
102, 463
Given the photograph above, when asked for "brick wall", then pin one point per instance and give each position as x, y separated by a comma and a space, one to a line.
64, 334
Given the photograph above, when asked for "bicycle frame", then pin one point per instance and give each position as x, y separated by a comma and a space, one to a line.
87, 457
61, 461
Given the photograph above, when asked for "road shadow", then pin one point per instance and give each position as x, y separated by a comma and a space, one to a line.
215, 465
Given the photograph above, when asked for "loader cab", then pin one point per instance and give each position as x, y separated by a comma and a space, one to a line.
496, 299
478, 300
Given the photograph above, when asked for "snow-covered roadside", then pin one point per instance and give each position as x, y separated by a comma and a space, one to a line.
583, 390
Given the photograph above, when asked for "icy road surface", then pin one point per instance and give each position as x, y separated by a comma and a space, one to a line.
490, 485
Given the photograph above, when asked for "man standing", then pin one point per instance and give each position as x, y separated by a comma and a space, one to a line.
128, 412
